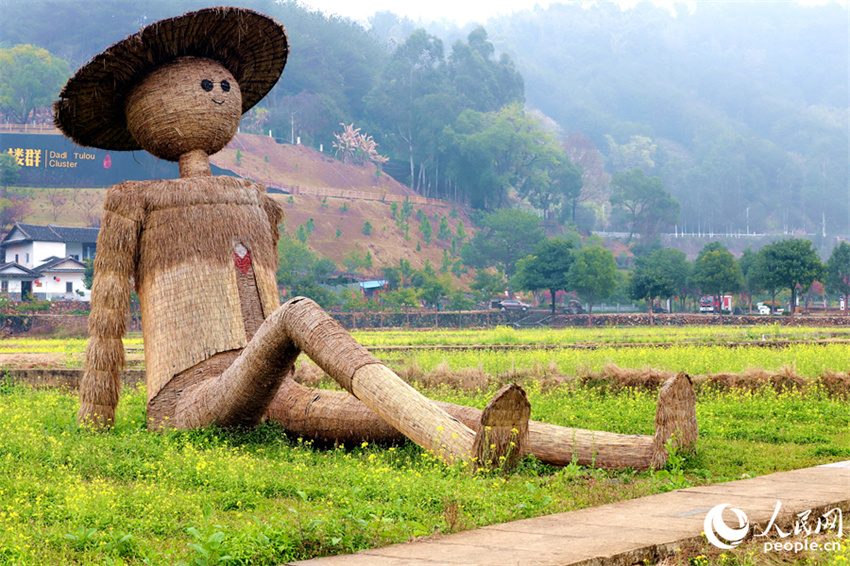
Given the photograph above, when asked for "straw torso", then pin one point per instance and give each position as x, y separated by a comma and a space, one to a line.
185, 272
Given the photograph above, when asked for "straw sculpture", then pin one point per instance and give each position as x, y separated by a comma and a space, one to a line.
332, 417
201, 254
201, 250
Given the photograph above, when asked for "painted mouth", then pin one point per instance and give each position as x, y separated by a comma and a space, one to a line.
217, 102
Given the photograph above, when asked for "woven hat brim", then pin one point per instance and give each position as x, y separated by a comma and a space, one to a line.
252, 46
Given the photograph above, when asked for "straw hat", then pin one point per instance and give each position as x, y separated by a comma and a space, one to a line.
253, 47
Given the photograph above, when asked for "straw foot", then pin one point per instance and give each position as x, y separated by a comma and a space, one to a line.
675, 418
502, 438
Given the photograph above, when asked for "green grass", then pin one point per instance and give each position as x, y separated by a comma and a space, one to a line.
258, 497
808, 360
130, 496
594, 335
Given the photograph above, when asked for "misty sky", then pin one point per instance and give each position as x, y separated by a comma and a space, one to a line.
463, 11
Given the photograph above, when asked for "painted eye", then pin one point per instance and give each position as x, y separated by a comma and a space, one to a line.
225, 86
207, 85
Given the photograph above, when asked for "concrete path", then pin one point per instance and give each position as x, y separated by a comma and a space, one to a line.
626, 532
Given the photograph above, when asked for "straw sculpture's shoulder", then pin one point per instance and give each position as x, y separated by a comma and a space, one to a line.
126, 199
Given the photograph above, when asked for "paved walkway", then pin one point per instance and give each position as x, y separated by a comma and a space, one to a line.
622, 533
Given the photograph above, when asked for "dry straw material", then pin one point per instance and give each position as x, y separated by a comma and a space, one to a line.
364, 376
332, 417
502, 439
251, 46
196, 97
675, 418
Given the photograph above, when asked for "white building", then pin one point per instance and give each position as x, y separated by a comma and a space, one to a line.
46, 262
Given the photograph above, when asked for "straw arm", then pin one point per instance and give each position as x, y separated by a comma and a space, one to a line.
110, 306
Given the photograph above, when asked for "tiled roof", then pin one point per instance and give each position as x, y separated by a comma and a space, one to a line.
27, 273
52, 262
51, 233
71, 234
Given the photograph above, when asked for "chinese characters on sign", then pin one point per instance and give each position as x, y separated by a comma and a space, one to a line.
33, 157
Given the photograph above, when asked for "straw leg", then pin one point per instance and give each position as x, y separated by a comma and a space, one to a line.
330, 346
675, 418
336, 417
241, 394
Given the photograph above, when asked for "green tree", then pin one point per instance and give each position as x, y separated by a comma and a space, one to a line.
637, 153
404, 98
593, 274
425, 229
306, 287
506, 236
88, 273
402, 298
458, 301
399, 277
838, 271
432, 288
13, 203
488, 283
675, 263
297, 262
461, 231
760, 277
355, 260
353, 300
9, 171
566, 184
444, 232
493, 153
546, 269
646, 204
483, 83
794, 262
661, 275
716, 272
30, 78
748, 261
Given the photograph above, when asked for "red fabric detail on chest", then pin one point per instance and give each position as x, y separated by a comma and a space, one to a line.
243, 264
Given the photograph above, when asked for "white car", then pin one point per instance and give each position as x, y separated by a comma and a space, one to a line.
765, 309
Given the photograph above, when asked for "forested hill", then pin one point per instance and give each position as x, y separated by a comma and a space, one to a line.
747, 101
740, 108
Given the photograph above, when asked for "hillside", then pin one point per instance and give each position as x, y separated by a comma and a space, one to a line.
302, 170
278, 165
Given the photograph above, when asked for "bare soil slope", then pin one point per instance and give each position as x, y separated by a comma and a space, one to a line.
386, 243
276, 165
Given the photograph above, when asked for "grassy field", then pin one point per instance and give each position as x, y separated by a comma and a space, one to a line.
71, 496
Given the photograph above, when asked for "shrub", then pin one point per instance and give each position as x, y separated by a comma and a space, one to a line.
33, 306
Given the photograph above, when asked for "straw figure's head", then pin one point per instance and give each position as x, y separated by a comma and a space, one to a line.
189, 104
179, 85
